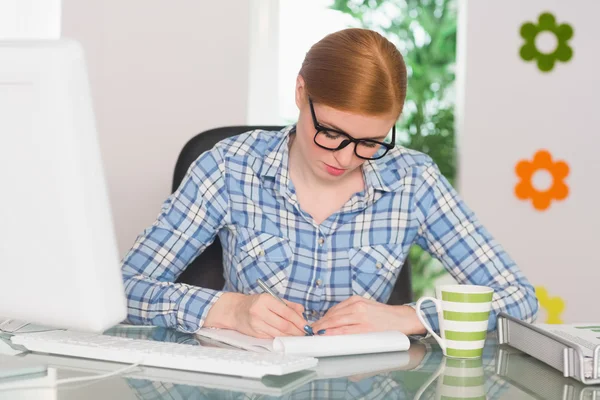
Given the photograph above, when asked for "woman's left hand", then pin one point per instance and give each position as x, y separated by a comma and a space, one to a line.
360, 315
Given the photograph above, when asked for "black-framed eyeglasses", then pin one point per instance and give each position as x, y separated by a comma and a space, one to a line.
333, 140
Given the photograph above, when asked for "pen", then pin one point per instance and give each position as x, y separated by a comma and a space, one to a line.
259, 282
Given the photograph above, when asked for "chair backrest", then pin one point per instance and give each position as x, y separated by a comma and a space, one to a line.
207, 269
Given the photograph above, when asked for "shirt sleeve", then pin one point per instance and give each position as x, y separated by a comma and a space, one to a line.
189, 221
451, 233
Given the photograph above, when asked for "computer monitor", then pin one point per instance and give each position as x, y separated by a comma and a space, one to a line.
59, 263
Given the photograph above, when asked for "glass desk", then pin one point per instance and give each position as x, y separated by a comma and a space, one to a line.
421, 373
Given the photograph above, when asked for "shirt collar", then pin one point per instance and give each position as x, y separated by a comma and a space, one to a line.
277, 154
378, 174
382, 174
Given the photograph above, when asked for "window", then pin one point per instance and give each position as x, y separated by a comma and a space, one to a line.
301, 24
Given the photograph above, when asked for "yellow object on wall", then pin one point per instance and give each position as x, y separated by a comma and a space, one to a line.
554, 306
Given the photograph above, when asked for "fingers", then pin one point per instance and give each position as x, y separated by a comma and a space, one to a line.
299, 308
327, 318
265, 331
352, 301
269, 317
349, 301
283, 325
329, 322
346, 330
289, 314
356, 308
285, 319
354, 311
268, 324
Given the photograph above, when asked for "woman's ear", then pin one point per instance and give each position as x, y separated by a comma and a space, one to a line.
300, 92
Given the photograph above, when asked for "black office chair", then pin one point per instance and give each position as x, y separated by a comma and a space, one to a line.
207, 269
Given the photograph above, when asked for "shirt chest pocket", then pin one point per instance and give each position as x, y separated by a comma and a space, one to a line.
263, 256
375, 269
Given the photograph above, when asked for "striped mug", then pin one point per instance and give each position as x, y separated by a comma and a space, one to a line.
463, 311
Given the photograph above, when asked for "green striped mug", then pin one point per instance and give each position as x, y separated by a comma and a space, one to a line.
463, 311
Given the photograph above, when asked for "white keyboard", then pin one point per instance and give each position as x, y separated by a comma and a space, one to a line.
163, 354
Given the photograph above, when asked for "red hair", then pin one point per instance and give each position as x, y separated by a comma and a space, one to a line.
356, 70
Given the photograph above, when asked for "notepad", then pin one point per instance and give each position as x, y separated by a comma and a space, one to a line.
313, 346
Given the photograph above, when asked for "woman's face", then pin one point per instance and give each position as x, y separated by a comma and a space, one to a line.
335, 165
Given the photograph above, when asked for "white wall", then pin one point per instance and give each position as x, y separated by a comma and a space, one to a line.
160, 72
508, 110
30, 19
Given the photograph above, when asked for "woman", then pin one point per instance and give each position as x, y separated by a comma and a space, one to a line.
324, 212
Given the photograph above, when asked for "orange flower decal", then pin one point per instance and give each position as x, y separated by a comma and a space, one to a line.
542, 163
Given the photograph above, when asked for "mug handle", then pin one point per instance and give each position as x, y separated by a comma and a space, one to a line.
432, 378
438, 307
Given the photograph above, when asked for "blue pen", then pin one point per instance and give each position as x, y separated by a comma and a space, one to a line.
259, 282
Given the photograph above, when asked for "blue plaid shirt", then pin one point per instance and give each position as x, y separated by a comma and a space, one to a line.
241, 191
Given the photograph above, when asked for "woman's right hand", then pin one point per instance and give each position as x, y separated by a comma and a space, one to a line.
258, 315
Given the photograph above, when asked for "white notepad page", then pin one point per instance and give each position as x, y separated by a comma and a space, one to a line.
314, 346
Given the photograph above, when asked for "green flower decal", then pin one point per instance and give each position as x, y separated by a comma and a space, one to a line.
546, 23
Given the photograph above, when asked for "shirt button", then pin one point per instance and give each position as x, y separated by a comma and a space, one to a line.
319, 282
378, 265
321, 241
315, 313
261, 253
